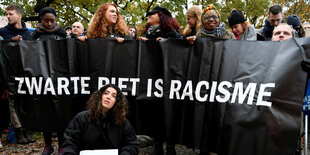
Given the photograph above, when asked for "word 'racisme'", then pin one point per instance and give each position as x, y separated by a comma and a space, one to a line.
203, 91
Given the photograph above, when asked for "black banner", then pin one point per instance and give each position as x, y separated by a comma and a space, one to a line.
224, 96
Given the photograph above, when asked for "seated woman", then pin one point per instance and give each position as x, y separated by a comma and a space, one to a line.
103, 125
108, 23
160, 24
212, 26
242, 29
193, 20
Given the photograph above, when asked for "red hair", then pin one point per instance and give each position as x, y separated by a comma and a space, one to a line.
98, 25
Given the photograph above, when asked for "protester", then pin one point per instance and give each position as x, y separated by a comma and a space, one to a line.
212, 26
4, 106
68, 30
306, 27
108, 23
193, 20
133, 32
49, 29
296, 24
78, 31
160, 24
103, 125
16, 30
275, 17
242, 29
282, 32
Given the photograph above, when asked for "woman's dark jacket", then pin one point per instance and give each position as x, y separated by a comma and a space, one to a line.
83, 134
113, 35
168, 34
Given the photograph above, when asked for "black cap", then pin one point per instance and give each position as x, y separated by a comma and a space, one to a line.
236, 17
293, 20
69, 27
158, 9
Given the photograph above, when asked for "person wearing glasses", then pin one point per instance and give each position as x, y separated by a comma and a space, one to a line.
212, 26
275, 17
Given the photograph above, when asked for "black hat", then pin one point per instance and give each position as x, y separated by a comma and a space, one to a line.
68, 28
293, 20
157, 9
236, 17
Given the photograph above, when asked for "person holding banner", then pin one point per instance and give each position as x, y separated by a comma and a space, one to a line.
193, 20
282, 32
108, 23
160, 24
212, 26
16, 31
49, 29
241, 28
103, 125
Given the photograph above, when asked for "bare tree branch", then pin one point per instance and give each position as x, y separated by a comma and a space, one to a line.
75, 12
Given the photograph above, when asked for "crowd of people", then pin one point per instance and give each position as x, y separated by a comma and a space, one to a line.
107, 107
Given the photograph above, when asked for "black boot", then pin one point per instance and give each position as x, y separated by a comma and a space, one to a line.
29, 138
20, 138
170, 150
158, 149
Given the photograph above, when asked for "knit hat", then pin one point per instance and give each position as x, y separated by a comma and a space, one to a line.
236, 17
158, 9
293, 20
210, 7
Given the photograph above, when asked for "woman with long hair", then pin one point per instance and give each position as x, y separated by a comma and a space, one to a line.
193, 20
103, 125
160, 24
241, 28
108, 23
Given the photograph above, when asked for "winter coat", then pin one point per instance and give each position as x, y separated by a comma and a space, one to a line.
227, 35
266, 32
60, 33
9, 31
249, 34
83, 134
169, 34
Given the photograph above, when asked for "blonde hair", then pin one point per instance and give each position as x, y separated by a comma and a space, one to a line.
98, 25
195, 12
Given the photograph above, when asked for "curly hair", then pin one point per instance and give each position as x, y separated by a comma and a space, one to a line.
195, 12
118, 112
166, 24
98, 25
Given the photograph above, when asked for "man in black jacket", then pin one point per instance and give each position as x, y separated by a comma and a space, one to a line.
16, 29
275, 17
